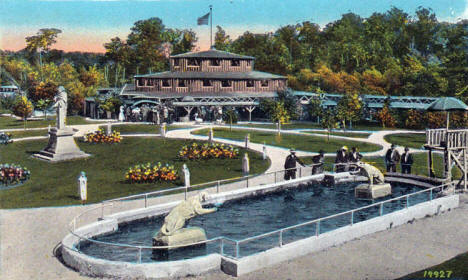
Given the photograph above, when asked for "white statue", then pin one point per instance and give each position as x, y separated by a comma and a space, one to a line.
210, 135
372, 173
121, 114
264, 154
83, 186
186, 210
61, 105
247, 140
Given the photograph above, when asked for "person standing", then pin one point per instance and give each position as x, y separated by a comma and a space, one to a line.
406, 161
354, 157
341, 160
318, 162
392, 157
290, 165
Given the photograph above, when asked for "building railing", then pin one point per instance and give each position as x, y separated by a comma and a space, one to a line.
234, 251
453, 138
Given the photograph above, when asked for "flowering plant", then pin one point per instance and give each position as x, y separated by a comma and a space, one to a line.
147, 173
5, 138
206, 151
100, 136
13, 174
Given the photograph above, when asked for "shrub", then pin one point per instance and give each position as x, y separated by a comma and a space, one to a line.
207, 151
13, 174
147, 173
100, 136
414, 119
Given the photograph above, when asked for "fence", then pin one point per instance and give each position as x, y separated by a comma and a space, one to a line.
232, 248
454, 138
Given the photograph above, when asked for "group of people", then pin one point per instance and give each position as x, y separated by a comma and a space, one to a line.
392, 157
348, 161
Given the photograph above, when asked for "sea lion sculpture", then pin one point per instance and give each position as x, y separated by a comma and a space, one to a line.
173, 233
376, 187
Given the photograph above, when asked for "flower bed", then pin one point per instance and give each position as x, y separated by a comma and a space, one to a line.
147, 173
207, 151
5, 138
13, 174
100, 136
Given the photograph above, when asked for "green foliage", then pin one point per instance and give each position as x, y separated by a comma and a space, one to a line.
230, 116
23, 108
221, 40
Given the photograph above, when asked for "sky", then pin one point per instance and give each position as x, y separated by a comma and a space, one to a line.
86, 25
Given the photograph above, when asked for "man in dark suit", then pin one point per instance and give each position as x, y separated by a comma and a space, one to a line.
392, 157
341, 160
354, 157
290, 165
318, 161
406, 161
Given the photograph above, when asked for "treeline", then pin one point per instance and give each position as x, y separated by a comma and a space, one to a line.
389, 53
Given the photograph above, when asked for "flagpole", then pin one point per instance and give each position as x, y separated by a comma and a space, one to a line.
211, 26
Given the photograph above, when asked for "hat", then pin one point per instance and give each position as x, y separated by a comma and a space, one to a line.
292, 150
321, 152
344, 148
406, 149
393, 146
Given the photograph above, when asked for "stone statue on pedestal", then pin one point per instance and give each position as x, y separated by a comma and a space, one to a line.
61, 145
376, 186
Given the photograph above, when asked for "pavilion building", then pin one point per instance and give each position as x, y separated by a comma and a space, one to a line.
205, 80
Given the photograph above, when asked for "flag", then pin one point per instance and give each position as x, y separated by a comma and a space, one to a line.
204, 19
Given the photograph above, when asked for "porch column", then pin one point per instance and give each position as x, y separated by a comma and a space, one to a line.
250, 109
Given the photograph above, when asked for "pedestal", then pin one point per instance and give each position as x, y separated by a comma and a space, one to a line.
372, 192
61, 146
182, 238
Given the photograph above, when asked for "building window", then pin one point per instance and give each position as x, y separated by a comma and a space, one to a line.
226, 83
141, 82
151, 82
215, 62
249, 62
264, 83
235, 62
176, 62
193, 62
207, 83
250, 83
165, 83
182, 83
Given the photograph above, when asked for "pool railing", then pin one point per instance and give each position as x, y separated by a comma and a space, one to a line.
236, 244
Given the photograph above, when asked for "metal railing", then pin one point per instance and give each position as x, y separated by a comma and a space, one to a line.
453, 138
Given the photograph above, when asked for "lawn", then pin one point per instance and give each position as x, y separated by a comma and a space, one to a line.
9, 122
54, 184
455, 268
419, 167
143, 128
369, 126
27, 133
345, 134
413, 140
299, 142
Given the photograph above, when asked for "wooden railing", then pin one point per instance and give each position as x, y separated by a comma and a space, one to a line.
452, 138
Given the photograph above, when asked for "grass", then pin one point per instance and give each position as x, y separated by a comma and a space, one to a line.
28, 133
455, 268
54, 184
413, 140
345, 134
143, 128
419, 166
9, 122
299, 142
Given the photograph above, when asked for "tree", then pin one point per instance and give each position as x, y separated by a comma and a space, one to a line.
43, 105
314, 109
385, 117
42, 41
279, 113
349, 108
43, 91
23, 108
328, 121
222, 41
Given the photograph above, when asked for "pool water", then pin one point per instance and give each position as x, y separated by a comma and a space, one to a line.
252, 216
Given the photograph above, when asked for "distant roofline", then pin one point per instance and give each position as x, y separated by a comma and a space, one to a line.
254, 75
212, 53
